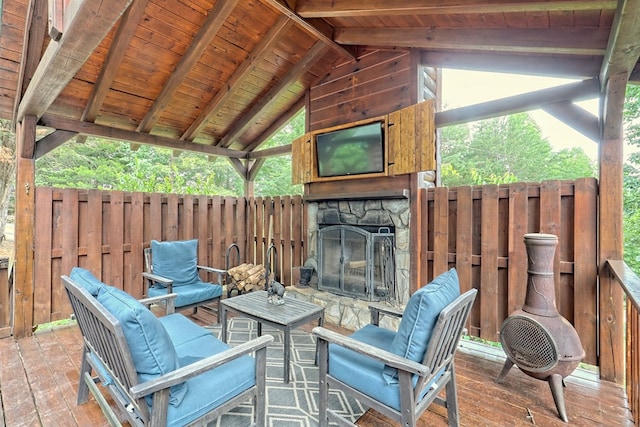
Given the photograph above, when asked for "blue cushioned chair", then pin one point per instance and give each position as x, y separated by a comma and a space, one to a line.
159, 371
172, 267
401, 373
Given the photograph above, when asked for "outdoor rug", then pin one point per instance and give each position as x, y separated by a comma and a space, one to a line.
288, 405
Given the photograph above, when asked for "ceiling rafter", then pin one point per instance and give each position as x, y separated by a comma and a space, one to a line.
122, 38
217, 17
580, 67
32, 43
298, 70
242, 73
578, 91
276, 125
524, 40
317, 28
89, 21
355, 8
62, 123
623, 48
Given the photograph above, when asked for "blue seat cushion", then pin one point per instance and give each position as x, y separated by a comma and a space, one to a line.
364, 373
189, 294
181, 330
151, 347
419, 319
211, 389
176, 260
87, 280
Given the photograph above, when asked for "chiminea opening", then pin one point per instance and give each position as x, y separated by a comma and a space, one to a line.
357, 261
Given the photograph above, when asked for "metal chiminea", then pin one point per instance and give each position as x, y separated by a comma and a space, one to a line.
542, 343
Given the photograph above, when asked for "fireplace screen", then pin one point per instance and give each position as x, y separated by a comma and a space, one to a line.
357, 262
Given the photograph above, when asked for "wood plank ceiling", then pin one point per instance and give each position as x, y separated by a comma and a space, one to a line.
220, 77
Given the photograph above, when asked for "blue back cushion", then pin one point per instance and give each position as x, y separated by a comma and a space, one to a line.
151, 348
176, 260
87, 280
419, 319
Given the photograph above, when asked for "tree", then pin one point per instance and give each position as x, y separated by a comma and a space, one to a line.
506, 149
631, 180
7, 171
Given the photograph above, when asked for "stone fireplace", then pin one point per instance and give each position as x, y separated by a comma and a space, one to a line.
366, 256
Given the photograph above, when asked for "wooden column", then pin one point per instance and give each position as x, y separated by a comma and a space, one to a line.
610, 229
24, 227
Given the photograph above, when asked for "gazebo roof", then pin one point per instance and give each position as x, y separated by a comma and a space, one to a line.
221, 77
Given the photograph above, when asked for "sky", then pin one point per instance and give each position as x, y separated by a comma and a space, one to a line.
461, 88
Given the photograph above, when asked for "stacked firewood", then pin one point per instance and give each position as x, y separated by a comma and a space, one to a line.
248, 277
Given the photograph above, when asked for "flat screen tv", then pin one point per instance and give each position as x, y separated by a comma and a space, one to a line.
353, 151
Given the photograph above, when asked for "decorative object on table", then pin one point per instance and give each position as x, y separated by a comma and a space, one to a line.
275, 293
542, 343
305, 276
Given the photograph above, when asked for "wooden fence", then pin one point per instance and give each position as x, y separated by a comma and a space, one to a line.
479, 230
106, 232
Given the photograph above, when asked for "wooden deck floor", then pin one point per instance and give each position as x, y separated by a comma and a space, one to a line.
39, 376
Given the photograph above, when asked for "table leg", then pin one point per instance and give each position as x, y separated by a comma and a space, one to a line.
320, 323
223, 322
287, 353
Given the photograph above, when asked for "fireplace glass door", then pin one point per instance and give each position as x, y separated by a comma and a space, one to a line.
356, 262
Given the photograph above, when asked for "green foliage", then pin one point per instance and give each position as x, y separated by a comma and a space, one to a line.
506, 149
631, 204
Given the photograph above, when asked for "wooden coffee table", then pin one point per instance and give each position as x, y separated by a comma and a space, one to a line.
290, 315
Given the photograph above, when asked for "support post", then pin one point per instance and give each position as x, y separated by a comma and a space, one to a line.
611, 332
24, 227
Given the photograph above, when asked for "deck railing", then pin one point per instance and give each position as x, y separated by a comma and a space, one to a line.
630, 283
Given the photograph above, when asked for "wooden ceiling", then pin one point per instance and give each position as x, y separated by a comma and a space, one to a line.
220, 77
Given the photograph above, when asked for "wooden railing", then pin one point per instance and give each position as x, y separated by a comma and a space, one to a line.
630, 284
5, 297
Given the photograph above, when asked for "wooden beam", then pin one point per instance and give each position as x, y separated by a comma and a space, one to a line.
355, 8
623, 49
282, 85
71, 125
52, 141
576, 117
242, 73
579, 91
525, 40
318, 29
32, 45
217, 17
254, 169
281, 150
566, 66
276, 125
610, 229
88, 22
121, 41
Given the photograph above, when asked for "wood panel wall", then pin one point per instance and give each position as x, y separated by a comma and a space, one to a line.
378, 82
479, 231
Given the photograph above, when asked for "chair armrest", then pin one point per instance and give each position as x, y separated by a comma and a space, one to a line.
377, 309
184, 373
169, 298
157, 279
221, 273
384, 356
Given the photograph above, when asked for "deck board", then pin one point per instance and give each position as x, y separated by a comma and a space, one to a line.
39, 377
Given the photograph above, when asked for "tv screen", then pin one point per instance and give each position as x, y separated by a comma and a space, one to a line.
353, 151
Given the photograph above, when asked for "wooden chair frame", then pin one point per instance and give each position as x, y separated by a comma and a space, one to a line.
438, 358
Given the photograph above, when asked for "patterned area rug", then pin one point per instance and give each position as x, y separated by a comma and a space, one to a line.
288, 405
